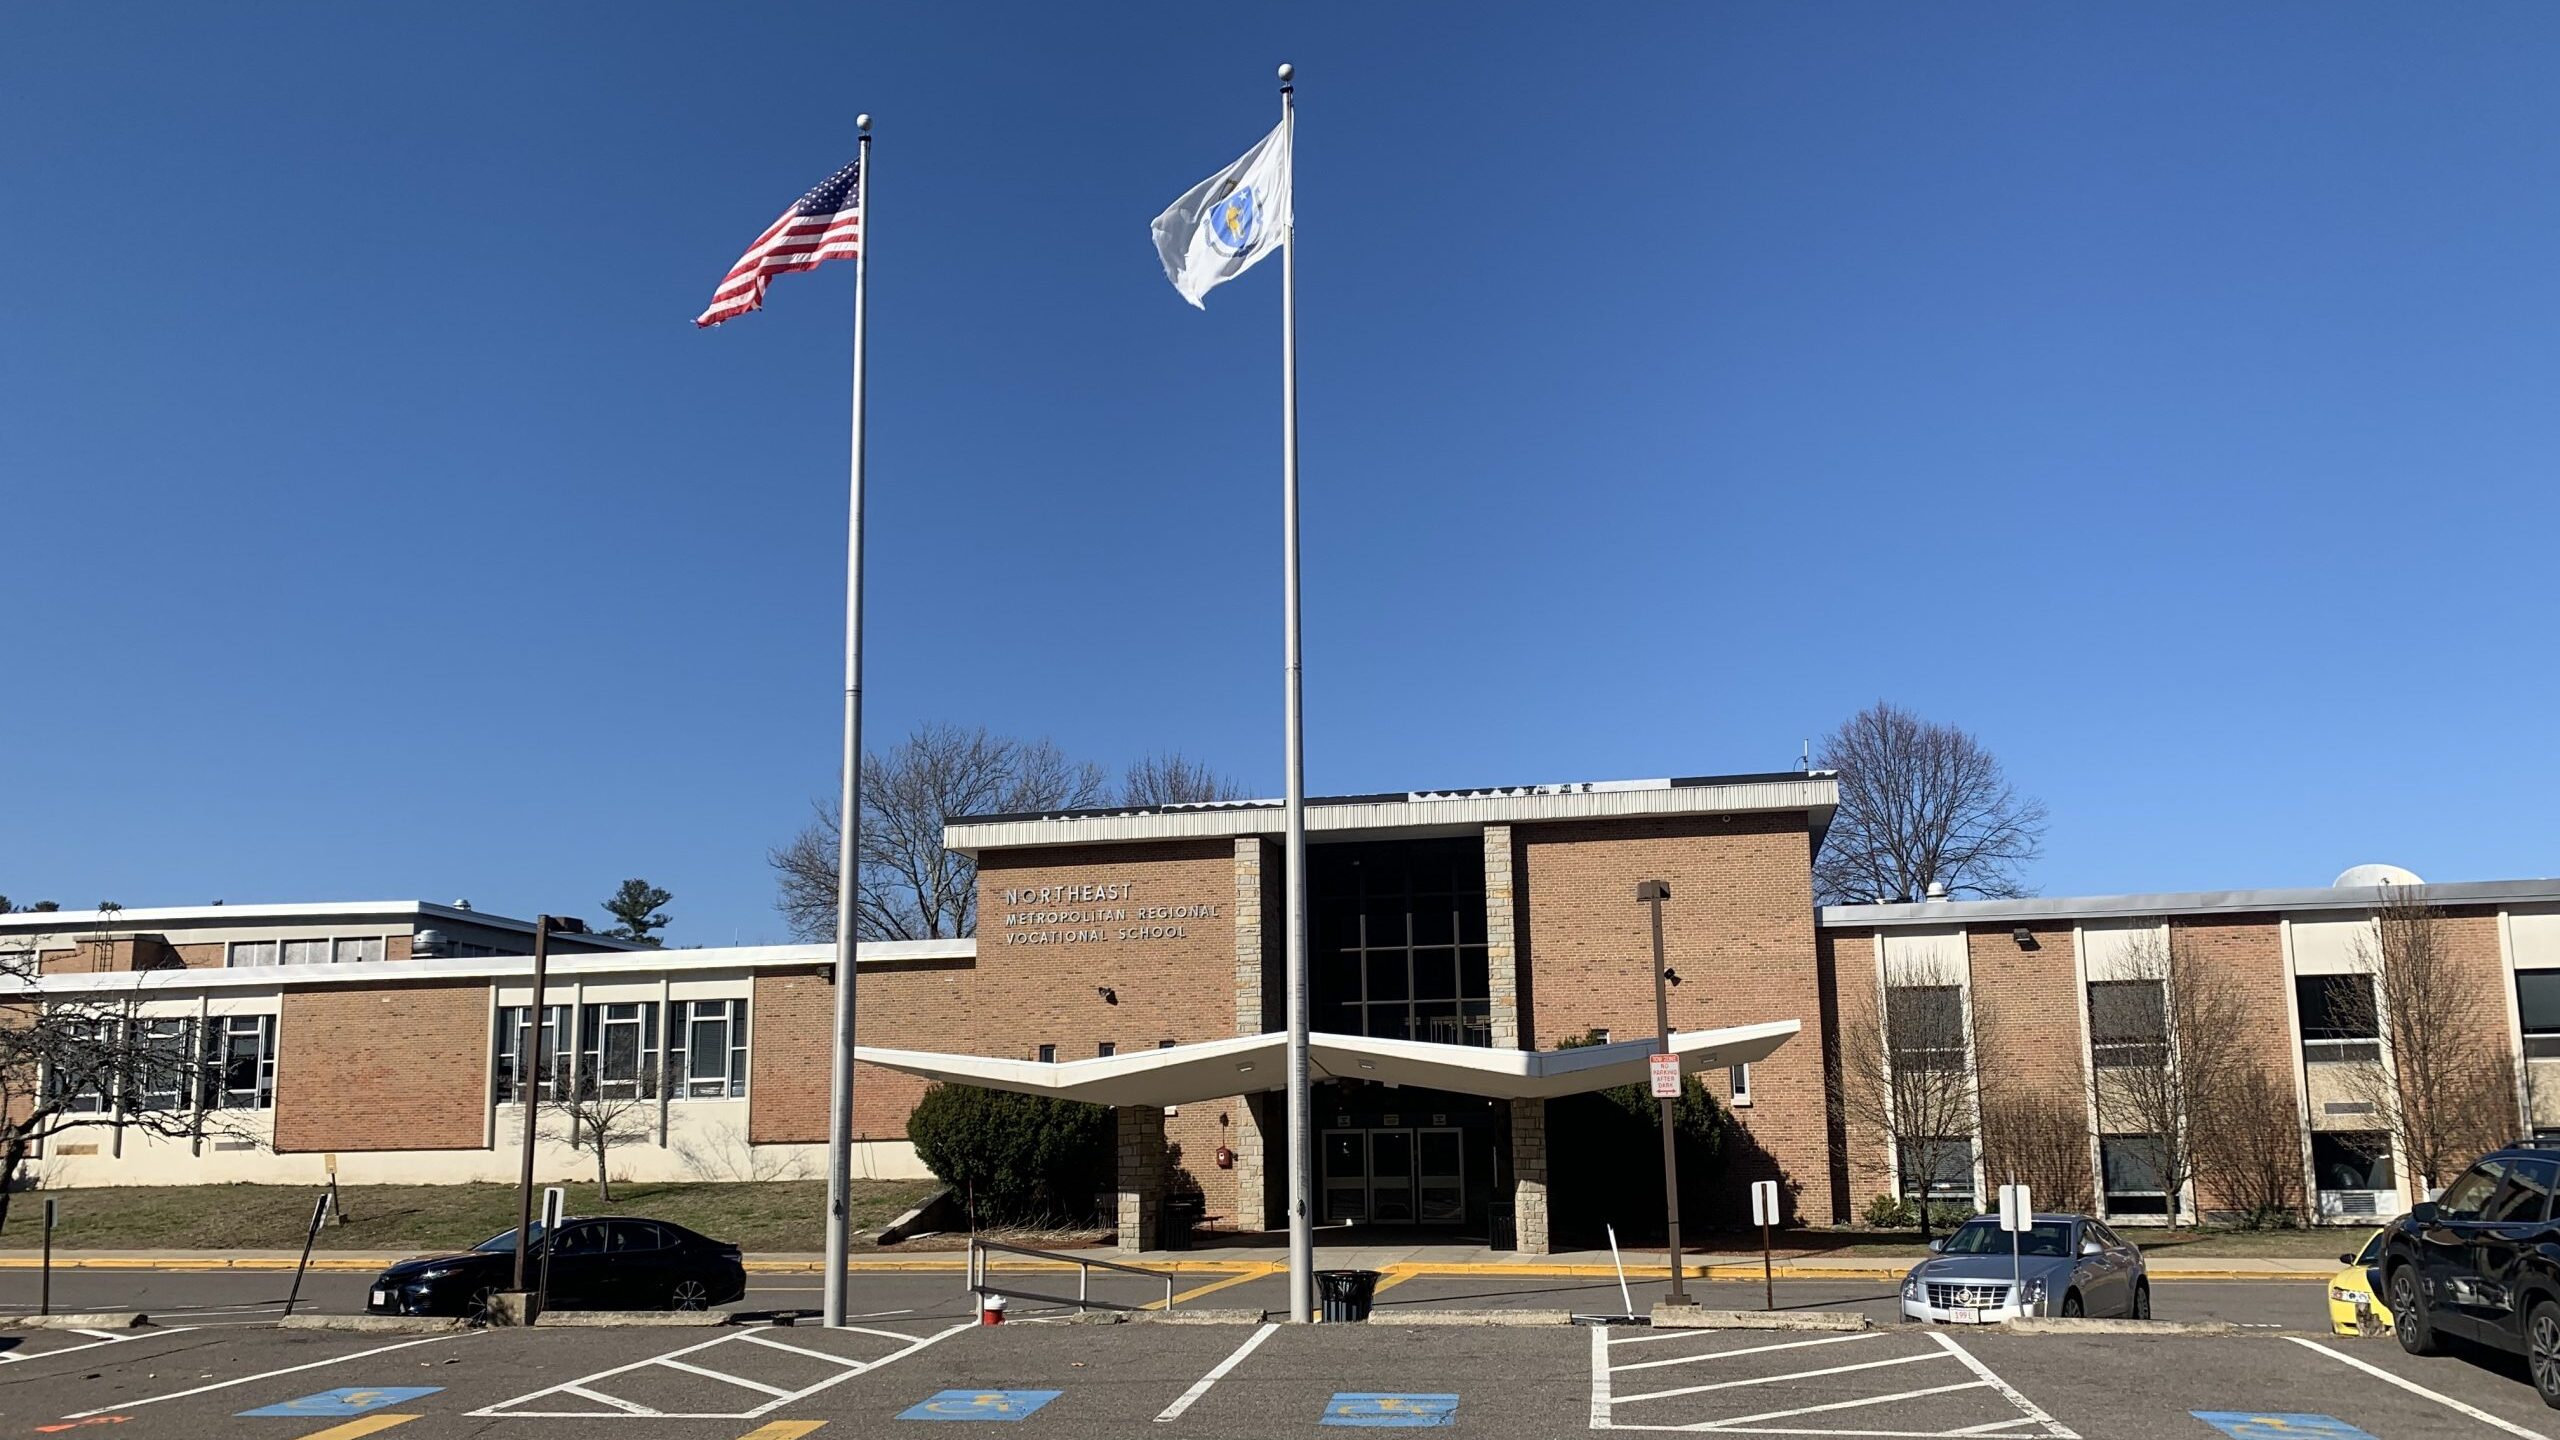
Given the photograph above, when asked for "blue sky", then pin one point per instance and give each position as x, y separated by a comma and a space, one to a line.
2166, 392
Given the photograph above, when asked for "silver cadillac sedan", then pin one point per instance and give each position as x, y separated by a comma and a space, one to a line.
2065, 1265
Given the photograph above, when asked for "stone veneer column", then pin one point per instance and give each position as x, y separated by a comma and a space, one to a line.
1502, 945
1141, 1129
1529, 1174
1245, 1137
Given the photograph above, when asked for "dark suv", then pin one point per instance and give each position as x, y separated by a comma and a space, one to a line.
2483, 1263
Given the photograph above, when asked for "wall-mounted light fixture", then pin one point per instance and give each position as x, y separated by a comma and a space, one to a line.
1671, 975
2025, 937
1109, 995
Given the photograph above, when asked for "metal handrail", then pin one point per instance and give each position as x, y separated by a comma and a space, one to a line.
1085, 1266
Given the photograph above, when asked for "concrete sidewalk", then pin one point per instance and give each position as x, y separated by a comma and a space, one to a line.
1248, 1259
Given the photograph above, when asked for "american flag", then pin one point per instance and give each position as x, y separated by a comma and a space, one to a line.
824, 224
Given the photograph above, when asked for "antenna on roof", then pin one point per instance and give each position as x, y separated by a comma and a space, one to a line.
1808, 757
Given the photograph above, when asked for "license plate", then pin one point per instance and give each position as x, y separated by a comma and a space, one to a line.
381, 1297
1965, 1315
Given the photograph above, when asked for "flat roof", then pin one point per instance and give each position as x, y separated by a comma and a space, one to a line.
1925, 913
1411, 812
143, 917
504, 968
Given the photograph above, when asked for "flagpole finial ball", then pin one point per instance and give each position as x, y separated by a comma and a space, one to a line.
1288, 73
862, 123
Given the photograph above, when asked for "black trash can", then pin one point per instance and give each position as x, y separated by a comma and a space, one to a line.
1182, 1215
1347, 1293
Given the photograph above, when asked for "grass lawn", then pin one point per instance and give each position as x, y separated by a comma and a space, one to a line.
765, 1216
2320, 1243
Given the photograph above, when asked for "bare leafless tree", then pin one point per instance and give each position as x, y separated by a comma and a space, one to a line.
2168, 1032
2445, 1088
603, 1116
2249, 1154
1907, 1065
2038, 1137
93, 1059
1920, 804
911, 888
1169, 779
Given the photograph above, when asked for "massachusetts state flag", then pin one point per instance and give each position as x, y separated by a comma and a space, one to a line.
1224, 225
823, 225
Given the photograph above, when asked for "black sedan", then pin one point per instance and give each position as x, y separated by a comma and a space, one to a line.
612, 1263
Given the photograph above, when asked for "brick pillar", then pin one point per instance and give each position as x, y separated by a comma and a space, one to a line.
1501, 933
1141, 1180
1529, 1174
1245, 1137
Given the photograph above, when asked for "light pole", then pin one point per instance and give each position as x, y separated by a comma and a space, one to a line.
1652, 893
528, 1084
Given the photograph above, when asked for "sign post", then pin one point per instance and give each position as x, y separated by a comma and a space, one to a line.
554, 1202
1764, 1213
2017, 1216
1665, 1064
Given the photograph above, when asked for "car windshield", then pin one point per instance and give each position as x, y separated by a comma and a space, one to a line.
2372, 1250
1985, 1237
506, 1240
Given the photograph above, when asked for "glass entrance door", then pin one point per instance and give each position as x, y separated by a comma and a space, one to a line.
1441, 1177
1391, 1177
1346, 1177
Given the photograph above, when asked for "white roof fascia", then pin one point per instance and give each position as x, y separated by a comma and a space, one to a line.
1247, 1064
1819, 794
2194, 902
508, 967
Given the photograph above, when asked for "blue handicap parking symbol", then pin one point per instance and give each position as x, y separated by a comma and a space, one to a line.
1370, 1408
979, 1404
346, 1400
2278, 1425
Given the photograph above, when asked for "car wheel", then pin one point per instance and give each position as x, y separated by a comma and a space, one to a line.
2542, 1350
2142, 1300
2409, 1313
689, 1295
2072, 1308
482, 1307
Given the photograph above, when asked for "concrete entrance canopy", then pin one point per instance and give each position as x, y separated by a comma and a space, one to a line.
1216, 1069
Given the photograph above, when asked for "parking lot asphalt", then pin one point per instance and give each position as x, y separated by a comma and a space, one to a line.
895, 1373
249, 1297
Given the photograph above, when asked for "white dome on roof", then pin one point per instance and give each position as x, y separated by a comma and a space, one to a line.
2366, 876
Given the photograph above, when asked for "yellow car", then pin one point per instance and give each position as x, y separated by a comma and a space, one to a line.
2353, 1307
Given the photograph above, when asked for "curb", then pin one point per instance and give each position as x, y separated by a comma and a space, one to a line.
1496, 1318
1193, 1317
91, 1320
2085, 1325
1692, 1317
374, 1324
632, 1319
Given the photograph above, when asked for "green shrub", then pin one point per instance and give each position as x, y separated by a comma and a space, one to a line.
1604, 1150
1016, 1159
1891, 1212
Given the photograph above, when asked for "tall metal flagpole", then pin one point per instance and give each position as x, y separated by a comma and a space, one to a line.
1302, 1239
849, 797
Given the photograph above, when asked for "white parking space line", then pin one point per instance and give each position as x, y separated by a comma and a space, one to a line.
587, 1387
2414, 1388
262, 1375
1882, 1419
765, 1339
1216, 1373
14, 1357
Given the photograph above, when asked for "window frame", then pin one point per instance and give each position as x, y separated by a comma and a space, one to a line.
550, 1081
220, 1031
2124, 1049
2125, 1201
2328, 1043
1738, 1085
731, 1081
597, 1029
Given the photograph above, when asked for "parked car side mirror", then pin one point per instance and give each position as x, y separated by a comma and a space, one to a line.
2423, 1210
2345, 1259
1937, 1245
2089, 1246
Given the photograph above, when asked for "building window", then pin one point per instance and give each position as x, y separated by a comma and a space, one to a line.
1740, 1081
357, 949
550, 1062
709, 1050
2128, 1024
1047, 1054
1939, 1169
81, 1074
1164, 1044
1924, 1025
2338, 1017
306, 952
244, 1059
2134, 1173
1400, 949
2538, 1012
251, 952
618, 1050
1105, 1048
164, 1065
2352, 1160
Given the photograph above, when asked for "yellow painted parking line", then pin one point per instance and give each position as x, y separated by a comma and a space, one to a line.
783, 1430
368, 1425
1213, 1286
1389, 1282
